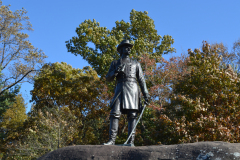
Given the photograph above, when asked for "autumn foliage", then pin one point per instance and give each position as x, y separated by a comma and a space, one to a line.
194, 97
204, 103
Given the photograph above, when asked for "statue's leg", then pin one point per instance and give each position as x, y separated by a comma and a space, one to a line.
114, 119
132, 119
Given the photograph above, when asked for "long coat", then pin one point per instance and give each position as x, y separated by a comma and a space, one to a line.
127, 86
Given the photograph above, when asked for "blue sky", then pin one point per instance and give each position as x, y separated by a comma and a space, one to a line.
189, 22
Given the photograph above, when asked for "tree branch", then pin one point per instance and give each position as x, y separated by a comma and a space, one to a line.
5, 81
13, 55
3, 54
17, 81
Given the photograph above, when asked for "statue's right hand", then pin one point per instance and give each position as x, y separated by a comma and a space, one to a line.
120, 68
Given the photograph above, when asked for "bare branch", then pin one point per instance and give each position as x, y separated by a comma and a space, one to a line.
8, 79
3, 54
17, 81
13, 55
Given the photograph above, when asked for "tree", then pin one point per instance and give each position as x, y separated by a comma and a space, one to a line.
80, 91
204, 104
140, 31
11, 123
7, 97
18, 57
45, 130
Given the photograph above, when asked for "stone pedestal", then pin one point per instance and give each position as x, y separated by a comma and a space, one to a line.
196, 151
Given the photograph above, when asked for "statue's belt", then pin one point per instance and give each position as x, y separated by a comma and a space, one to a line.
127, 79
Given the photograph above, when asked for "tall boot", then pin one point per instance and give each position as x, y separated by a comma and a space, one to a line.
131, 124
112, 131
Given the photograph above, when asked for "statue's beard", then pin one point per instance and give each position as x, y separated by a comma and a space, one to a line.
127, 53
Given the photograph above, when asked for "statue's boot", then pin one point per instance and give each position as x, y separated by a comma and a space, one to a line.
131, 124
112, 131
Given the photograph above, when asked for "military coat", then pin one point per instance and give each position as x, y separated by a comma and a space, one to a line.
127, 84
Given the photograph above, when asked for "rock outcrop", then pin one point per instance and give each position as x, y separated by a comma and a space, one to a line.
196, 151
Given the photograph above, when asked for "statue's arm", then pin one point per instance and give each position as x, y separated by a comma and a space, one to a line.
111, 73
141, 81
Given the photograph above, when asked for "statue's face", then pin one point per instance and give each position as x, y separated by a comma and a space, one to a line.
126, 50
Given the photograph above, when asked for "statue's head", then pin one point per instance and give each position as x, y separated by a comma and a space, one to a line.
124, 47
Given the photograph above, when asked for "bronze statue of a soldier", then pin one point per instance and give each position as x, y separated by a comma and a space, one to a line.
126, 99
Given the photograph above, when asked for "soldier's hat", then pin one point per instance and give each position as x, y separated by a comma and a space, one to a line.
124, 43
